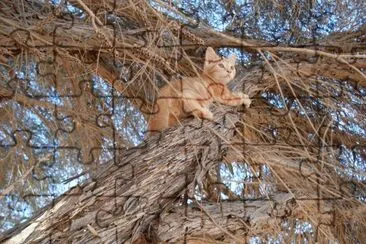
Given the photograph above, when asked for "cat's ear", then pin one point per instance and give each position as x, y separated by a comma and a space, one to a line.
232, 58
211, 55
210, 58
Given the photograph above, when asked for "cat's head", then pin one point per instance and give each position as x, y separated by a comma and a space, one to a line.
221, 70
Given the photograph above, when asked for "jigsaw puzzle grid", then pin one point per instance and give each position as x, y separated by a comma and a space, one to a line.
106, 121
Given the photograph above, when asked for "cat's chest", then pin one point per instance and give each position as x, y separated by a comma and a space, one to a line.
198, 91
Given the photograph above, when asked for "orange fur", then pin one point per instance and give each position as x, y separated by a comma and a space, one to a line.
192, 95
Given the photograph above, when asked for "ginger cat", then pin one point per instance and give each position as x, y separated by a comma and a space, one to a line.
192, 95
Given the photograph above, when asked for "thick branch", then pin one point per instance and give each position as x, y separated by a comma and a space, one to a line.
134, 190
242, 218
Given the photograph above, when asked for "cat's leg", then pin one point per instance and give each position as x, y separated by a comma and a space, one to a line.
244, 99
195, 108
225, 96
160, 120
173, 120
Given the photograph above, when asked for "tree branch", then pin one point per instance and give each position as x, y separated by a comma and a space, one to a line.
130, 193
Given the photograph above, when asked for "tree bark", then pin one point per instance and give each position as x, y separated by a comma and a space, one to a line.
224, 220
120, 202
137, 190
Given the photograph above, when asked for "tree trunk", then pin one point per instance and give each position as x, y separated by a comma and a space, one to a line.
143, 188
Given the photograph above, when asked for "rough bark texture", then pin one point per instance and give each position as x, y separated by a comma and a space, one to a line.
215, 220
120, 203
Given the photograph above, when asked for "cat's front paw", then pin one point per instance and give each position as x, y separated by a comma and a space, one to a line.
204, 114
208, 115
245, 100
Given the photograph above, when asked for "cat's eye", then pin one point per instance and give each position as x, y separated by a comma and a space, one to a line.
231, 67
221, 66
